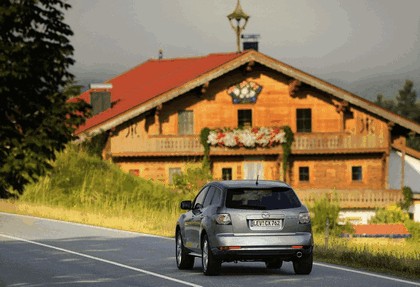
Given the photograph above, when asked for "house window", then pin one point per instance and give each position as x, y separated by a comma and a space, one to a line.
134, 172
226, 173
356, 173
172, 172
303, 173
185, 122
304, 120
244, 118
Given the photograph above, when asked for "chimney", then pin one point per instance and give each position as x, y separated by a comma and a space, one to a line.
100, 97
250, 41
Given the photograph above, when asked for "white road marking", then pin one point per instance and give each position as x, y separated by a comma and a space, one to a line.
367, 274
102, 260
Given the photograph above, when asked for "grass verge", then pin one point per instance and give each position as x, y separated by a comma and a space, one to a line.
156, 222
399, 257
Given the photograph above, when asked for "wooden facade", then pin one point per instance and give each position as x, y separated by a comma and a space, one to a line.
341, 142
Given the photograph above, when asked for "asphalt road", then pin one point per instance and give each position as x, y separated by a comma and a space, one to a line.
39, 252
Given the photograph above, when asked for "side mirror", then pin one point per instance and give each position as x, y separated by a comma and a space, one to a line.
186, 205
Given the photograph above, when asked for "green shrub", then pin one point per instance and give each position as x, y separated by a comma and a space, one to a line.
414, 229
326, 208
390, 214
190, 181
408, 198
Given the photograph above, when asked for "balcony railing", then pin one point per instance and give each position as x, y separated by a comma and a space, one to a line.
162, 145
303, 143
336, 141
354, 198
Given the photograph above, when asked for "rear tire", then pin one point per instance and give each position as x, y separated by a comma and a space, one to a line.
183, 260
303, 265
211, 265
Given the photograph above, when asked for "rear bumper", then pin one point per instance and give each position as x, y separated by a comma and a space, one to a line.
262, 246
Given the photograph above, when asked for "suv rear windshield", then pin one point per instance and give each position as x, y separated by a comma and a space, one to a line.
262, 199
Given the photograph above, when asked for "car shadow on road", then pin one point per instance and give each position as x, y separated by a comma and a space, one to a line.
248, 269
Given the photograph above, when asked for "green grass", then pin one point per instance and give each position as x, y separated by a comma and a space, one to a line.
399, 257
88, 185
86, 189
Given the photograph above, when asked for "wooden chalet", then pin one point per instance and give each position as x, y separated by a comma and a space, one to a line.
154, 113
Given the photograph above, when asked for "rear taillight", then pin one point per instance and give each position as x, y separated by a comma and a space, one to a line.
304, 218
223, 219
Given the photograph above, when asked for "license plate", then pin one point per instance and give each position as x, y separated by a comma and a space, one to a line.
265, 223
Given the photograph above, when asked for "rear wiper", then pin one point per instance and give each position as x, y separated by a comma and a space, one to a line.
254, 207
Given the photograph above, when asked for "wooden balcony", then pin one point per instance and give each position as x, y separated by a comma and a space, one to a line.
320, 143
337, 142
160, 146
354, 198
303, 143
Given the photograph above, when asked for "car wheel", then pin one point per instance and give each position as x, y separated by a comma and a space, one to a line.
273, 264
183, 260
211, 265
303, 265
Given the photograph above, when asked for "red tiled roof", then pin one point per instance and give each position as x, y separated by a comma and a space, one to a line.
376, 230
151, 79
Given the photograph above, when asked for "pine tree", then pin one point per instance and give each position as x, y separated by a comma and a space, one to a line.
406, 101
387, 104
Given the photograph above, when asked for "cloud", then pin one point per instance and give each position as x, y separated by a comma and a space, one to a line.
353, 38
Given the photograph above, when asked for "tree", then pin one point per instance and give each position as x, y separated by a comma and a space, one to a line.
409, 108
406, 101
406, 105
37, 119
325, 208
386, 104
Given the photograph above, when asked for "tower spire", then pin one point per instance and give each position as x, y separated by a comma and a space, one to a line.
241, 20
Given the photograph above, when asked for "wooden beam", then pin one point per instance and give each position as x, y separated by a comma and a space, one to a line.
204, 88
250, 66
158, 110
294, 86
341, 106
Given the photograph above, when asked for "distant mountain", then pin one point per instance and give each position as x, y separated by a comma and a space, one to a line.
86, 81
388, 86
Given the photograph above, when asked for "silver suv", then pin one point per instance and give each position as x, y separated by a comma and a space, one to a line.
243, 220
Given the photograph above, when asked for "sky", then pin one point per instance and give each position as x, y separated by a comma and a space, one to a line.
347, 40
